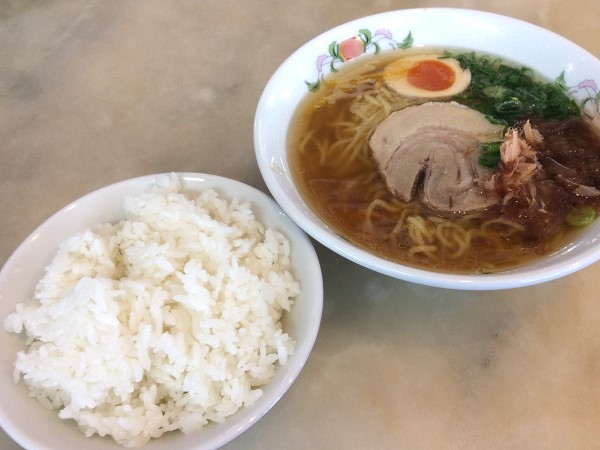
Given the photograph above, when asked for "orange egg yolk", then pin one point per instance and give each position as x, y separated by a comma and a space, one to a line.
431, 75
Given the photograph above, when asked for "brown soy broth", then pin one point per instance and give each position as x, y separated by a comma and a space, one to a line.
340, 189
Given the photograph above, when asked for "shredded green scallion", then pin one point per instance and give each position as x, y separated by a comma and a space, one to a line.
510, 93
490, 154
581, 217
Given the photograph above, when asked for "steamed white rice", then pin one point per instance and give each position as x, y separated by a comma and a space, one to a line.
165, 321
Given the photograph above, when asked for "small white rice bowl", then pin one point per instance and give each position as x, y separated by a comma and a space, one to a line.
175, 306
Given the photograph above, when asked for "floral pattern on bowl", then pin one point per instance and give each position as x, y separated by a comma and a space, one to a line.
364, 42
588, 95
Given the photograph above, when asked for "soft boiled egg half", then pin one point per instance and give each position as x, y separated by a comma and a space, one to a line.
426, 76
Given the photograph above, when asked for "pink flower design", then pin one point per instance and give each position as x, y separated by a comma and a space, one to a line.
586, 92
383, 32
320, 60
591, 84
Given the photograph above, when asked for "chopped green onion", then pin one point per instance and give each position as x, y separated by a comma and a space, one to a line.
490, 154
494, 120
491, 146
582, 216
489, 161
512, 93
497, 92
513, 105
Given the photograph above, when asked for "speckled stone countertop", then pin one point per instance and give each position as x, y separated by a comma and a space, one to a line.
95, 91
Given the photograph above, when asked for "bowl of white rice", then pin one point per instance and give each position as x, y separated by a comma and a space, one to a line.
166, 311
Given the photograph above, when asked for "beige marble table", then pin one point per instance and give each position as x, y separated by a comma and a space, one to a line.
95, 91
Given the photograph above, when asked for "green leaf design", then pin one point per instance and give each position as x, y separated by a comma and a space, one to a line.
365, 35
313, 86
586, 100
377, 48
407, 42
334, 49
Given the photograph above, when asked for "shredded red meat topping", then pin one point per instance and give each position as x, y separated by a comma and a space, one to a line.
536, 185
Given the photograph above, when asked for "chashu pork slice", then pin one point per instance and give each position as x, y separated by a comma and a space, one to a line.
431, 151
453, 184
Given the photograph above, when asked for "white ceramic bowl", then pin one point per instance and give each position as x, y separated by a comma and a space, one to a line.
514, 40
32, 426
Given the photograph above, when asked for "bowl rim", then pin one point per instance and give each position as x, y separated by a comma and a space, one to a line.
270, 163
269, 213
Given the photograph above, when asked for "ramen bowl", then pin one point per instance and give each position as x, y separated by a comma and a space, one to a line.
32, 425
551, 56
